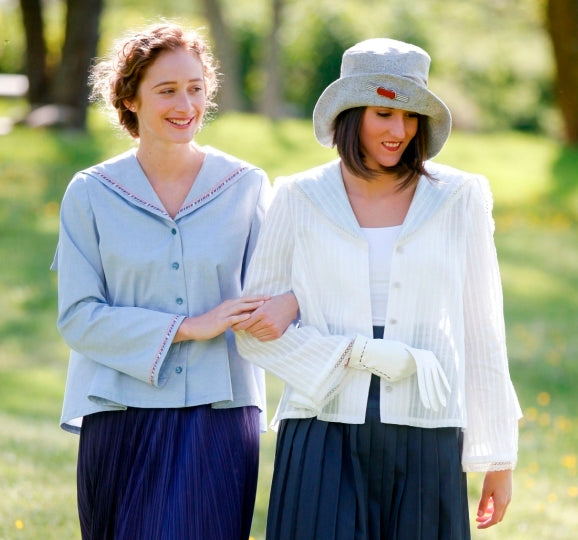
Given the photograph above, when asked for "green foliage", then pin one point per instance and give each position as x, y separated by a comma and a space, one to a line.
536, 206
266, 143
11, 40
314, 43
491, 60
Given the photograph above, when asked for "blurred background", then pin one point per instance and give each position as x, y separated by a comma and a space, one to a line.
499, 64
508, 70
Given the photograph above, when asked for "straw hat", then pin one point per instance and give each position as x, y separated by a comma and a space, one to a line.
383, 73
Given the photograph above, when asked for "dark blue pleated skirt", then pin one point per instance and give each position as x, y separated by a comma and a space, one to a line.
168, 474
367, 481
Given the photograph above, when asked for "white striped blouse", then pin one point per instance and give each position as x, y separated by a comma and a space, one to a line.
444, 295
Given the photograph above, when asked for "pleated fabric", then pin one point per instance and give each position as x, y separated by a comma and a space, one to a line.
367, 481
168, 474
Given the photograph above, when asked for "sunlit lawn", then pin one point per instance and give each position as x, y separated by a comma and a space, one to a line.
536, 209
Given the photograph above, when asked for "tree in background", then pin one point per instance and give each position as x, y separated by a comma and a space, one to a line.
563, 28
35, 51
59, 96
278, 55
231, 90
248, 45
271, 96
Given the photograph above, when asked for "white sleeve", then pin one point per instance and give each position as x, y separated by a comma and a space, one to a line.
311, 363
491, 437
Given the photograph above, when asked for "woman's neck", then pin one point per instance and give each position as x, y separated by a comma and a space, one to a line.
170, 164
377, 202
172, 174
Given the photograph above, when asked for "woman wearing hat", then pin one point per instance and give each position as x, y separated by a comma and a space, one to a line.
396, 378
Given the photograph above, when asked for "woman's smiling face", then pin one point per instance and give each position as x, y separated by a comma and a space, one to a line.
171, 98
385, 134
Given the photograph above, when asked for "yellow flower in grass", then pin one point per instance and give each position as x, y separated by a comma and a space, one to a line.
554, 357
531, 414
543, 399
560, 221
569, 462
51, 208
18, 524
573, 491
563, 424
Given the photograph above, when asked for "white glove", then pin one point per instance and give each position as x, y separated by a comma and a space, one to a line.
394, 360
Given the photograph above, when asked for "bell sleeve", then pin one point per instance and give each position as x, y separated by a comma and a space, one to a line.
133, 340
493, 411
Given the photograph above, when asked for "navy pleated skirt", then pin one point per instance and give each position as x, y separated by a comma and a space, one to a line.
367, 481
168, 474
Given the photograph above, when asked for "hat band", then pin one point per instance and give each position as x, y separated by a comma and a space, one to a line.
388, 93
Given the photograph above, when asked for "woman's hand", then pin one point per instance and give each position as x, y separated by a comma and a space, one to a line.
216, 321
496, 496
270, 320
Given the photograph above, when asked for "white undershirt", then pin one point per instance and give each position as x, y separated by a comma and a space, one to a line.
381, 241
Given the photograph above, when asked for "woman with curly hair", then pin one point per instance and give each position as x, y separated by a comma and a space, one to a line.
151, 255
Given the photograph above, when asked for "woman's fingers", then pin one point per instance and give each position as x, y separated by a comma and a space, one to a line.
243, 304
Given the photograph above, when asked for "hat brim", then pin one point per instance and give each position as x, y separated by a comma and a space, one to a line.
361, 91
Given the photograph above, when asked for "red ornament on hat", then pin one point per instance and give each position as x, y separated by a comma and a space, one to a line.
388, 93
385, 92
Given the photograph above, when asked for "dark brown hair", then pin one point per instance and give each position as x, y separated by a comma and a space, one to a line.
116, 79
347, 126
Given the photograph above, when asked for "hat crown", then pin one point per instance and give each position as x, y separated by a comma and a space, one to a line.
383, 56
383, 72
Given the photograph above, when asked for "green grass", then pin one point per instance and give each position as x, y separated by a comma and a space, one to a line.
535, 185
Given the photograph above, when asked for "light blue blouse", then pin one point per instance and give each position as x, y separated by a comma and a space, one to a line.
128, 274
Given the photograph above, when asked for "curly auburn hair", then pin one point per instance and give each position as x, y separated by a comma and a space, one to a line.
116, 79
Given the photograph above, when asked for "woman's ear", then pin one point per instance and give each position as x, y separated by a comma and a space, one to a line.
130, 106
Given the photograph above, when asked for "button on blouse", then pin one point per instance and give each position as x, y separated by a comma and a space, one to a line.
128, 274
